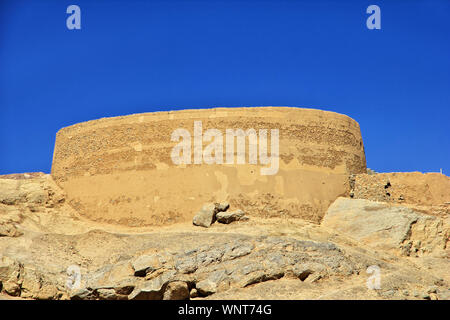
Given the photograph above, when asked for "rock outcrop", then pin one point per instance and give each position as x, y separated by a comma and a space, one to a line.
206, 216
221, 262
228, 217
385, 226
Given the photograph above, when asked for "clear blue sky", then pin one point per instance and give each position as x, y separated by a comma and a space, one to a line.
141, 56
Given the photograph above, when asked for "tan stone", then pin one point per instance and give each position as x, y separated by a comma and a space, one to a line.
385, 226
145, 264
228, 217
176, 290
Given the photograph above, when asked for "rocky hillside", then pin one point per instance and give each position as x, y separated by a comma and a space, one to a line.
49, 251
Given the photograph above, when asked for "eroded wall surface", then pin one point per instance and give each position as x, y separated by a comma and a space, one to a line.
120, 170
426, 192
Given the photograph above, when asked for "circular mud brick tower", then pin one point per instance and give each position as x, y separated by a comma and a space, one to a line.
160, 168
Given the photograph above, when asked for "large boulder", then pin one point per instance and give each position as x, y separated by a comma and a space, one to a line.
384, 226
206, 287
206, 216
145, 264
228, 217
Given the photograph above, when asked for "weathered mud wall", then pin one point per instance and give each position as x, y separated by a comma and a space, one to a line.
120, 170
425, 192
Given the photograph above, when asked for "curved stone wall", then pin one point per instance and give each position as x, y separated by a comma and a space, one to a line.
121, 170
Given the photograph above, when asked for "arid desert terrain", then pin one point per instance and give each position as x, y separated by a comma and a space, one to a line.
117, 219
